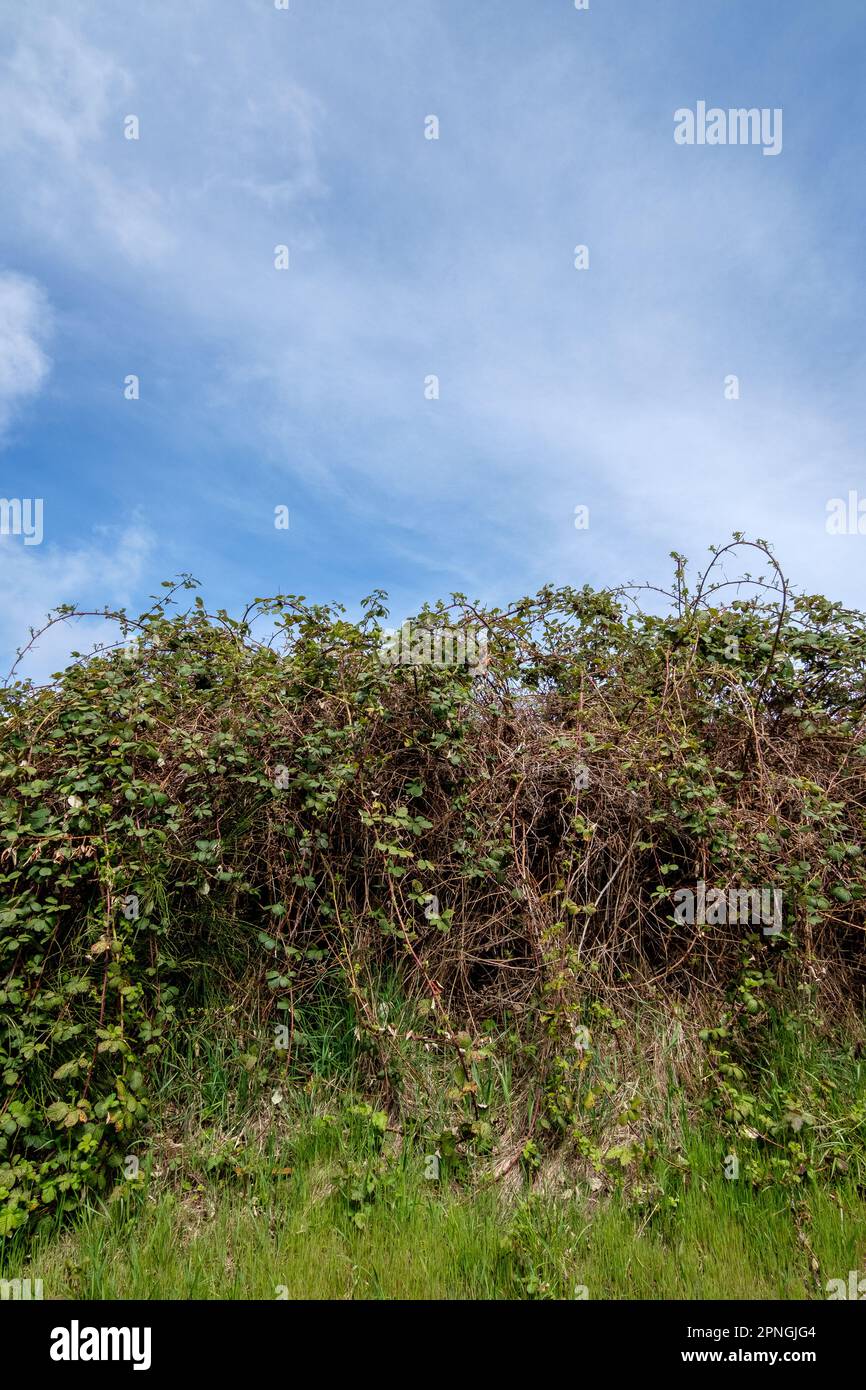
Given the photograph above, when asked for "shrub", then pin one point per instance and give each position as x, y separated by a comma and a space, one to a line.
263, 806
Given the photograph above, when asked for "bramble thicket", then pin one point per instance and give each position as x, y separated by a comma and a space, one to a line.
256, 821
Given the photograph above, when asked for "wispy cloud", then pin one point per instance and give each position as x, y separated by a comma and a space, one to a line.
25, 326
454, 257
106, 568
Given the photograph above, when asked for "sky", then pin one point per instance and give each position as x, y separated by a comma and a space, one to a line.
411, 258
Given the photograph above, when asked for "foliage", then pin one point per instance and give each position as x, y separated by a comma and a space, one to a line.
262, 807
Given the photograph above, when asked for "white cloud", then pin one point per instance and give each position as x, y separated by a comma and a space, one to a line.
61, 140
56, 90
25, 324
105, 570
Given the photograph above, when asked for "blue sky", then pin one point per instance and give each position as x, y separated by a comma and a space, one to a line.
412, 257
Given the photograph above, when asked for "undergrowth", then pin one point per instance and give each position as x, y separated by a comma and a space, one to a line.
445, 903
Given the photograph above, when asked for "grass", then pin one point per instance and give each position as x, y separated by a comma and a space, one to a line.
258, 1232
260, 1180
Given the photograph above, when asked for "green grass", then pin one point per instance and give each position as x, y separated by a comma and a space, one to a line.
248, 1236
257, 1177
